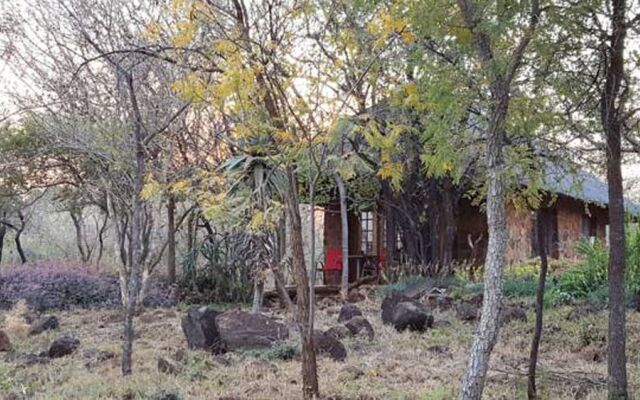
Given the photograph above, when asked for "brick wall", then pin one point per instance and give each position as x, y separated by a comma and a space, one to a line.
520, 230
570, 220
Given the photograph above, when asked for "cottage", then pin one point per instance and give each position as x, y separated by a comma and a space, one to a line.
578, 210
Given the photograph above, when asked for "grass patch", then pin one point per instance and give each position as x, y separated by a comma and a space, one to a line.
279, 351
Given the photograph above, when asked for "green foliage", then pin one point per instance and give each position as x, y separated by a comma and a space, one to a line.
402, 284
225, 275
520, 287
589, 279
279, 351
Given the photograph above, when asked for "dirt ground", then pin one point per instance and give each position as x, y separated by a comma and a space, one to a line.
393, 366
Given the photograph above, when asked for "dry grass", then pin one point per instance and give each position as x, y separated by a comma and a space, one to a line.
395, 366
13, 321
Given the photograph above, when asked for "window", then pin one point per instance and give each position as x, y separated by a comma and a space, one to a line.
366, 229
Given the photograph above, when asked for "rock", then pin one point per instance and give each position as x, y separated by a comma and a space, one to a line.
201, 330
242, 330
390, 302
5, 343
348, 311
46, 323
329, 346
359, 325
407, 315
167, 367
467, 311
63, 346
513, 313
339, 332
582, 311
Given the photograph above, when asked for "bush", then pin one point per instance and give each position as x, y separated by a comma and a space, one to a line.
225, 276
521, 287
60, 287
589, 279
403, 284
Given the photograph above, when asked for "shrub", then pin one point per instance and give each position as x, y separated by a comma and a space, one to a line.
521, 287
226, 274
60, 287
401, 285
589, 279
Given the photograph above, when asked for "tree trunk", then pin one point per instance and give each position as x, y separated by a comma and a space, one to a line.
449, 221
489, 326
258, 293
499, 88
344, 221
309, 368
76, 217
542, 222
135, 241
19, 249
100, 235
283, 295
171, 239
276, 268
612, 110
3, 232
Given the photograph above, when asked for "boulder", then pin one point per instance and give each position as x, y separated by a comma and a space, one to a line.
330, 346
339, 332
359, 325
467, 311
46, 323
513, 313
242, 330
5, 343
201, 330
407, 315
348, 311
390, 302
63, 346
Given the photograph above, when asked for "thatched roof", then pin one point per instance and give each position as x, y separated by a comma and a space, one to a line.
583, 186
